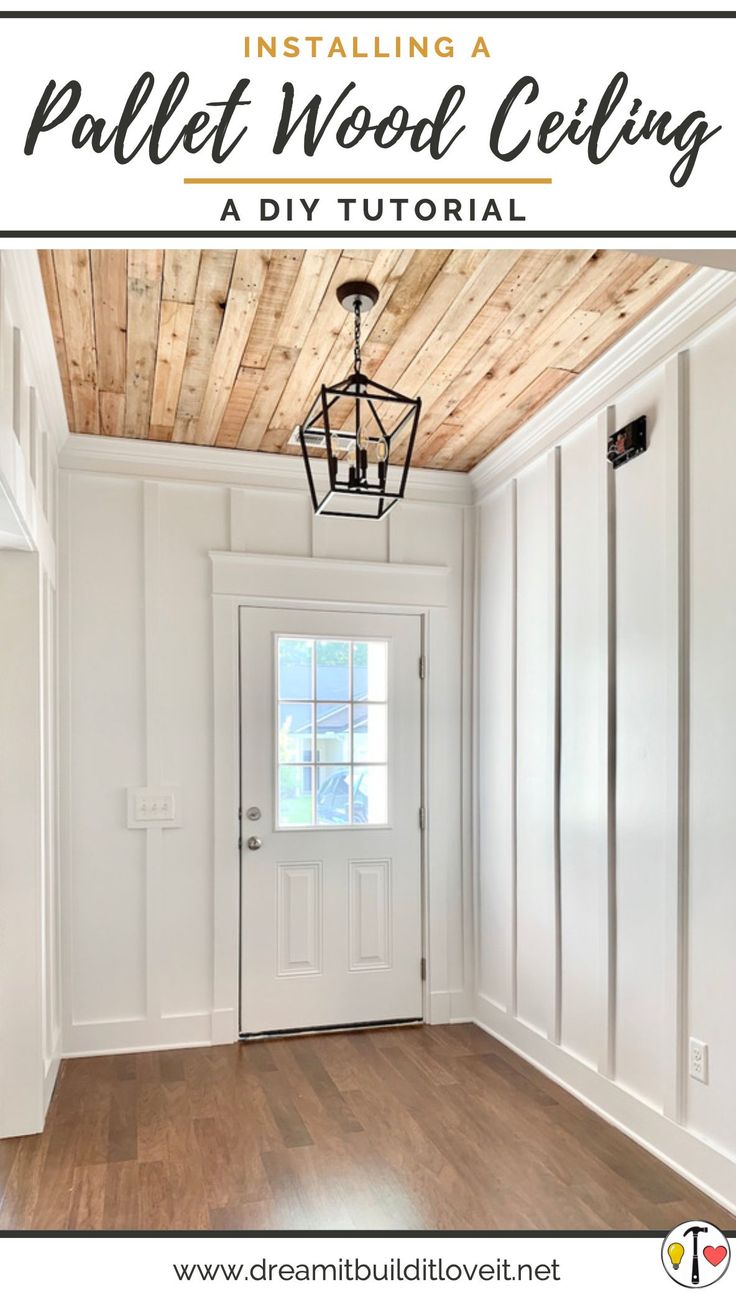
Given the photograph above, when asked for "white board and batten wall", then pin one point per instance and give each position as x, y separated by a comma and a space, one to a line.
32, 425
606, 737
143, 524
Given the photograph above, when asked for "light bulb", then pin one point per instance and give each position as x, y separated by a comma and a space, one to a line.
382, 450
362, 440
351, 456
676, 1251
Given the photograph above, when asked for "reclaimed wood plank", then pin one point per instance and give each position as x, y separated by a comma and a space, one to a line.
145, 267
74, 281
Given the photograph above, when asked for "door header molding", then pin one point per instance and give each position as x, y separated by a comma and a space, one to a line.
321, 579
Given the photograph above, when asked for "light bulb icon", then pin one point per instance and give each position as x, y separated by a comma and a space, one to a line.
675, 1251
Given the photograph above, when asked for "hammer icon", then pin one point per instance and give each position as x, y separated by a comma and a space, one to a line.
695, 1229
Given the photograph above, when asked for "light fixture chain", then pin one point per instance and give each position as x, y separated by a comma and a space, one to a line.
356, 350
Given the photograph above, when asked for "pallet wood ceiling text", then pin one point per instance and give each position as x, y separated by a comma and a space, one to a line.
227, 348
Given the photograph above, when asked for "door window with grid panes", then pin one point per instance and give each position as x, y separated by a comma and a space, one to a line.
332, 727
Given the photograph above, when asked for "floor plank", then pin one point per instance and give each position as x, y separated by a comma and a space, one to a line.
435, 1127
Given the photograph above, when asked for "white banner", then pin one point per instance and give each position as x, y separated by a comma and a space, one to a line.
314, 1269
345, 124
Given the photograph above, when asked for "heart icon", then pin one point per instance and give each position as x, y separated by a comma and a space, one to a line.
714, 1254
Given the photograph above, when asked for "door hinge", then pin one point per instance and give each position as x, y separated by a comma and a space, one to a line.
422, 817
422, 667
423, 968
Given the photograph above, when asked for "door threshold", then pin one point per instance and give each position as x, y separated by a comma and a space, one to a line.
328, 1028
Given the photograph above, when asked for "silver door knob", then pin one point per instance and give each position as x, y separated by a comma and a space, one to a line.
254, 843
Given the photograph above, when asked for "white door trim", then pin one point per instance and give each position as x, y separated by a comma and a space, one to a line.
255, 580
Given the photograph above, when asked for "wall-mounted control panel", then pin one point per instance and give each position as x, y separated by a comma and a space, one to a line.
628, 442
154, 808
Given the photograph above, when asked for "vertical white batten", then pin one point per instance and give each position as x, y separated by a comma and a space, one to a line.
466, 708
472, 725
536, 922
607, 734
513, 759
226, 808
678, 719
154, 729
495, 753
555, 723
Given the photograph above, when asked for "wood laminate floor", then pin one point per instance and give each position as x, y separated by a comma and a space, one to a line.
411, 1128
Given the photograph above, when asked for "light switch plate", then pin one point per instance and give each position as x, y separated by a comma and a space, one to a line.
154, 808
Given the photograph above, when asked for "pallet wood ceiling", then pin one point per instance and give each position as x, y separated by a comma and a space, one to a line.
226, 348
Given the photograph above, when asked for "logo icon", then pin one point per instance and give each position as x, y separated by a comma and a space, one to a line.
695, 1254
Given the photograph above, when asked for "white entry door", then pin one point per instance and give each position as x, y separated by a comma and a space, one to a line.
331, 843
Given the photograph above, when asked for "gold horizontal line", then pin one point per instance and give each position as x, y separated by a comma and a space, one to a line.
367, 181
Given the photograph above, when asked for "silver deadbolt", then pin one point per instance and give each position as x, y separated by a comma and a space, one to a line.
253, 813
254, 843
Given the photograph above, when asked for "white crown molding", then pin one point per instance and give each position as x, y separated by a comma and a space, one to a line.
156, 460
688, 311
23, 286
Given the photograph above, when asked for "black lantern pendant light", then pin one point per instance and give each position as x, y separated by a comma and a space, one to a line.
358, 436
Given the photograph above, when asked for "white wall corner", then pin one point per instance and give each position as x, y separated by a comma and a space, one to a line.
462, 1007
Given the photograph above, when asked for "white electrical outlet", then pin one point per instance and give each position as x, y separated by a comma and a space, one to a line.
150, 808
699, 1060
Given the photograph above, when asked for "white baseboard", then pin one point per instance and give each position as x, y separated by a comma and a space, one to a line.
450, 1007
116, 1037
205, 1029
692, 1158
135, 1051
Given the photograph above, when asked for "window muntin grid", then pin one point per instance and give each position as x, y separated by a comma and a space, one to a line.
332, 732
